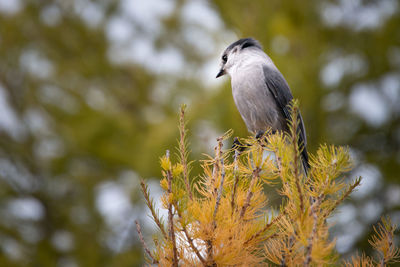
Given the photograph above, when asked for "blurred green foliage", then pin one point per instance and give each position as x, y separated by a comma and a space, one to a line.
78, 115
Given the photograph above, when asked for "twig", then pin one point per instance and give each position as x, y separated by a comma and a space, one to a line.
182, 151
217, 160
279, 163
256, 174
150, 205
216, 164
343, 197
236, 178
190, 240
308, 259
170, 218
196, 251
219, 190
265, 228
146, 248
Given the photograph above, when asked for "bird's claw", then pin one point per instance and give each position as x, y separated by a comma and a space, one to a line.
259, 134
237, 145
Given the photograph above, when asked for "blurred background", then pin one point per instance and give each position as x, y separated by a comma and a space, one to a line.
90, 91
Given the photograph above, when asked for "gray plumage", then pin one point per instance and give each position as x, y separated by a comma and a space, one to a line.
259, 90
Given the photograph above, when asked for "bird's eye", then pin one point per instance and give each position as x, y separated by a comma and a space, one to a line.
224, 58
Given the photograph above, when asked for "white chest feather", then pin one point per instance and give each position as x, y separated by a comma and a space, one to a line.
253, 99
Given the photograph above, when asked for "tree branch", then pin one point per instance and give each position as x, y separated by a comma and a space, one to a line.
146, 248
313, 235
236, 178
150, 205
265, 228
219, 190
190, 240
182, 150
256, 174
170, 217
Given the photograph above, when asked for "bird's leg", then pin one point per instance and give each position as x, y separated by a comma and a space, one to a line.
237, 145
259, 134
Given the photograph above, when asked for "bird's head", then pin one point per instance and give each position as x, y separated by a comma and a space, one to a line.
234, 53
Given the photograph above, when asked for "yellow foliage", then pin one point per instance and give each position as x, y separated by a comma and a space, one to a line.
164, 184
224, 218
177, 170
165, 163
382, 241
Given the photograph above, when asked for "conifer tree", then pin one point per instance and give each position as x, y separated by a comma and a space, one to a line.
224, 219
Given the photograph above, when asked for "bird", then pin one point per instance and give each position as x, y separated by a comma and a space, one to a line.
260, 91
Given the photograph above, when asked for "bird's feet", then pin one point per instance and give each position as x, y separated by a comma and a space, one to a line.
237, 145
259, 134
261, 137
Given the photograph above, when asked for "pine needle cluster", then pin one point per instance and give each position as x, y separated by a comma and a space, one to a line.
224, 219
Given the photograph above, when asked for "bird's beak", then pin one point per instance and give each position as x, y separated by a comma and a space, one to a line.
220, 73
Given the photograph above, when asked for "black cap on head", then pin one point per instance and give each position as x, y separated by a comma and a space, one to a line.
242, 44
245, 42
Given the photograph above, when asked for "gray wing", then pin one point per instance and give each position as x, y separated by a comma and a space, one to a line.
280, 90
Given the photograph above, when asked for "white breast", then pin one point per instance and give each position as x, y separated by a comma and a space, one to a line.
252, 97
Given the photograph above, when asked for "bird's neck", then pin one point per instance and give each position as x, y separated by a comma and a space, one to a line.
250, 59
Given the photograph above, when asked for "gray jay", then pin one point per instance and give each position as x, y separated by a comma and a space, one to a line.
260, 91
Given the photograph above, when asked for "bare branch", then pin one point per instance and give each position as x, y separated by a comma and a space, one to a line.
265, 228
146, 248
255, 176
190, 240
219, 189
153, 212
236, 178
313, 235
217, 161
216, 164
343, 197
